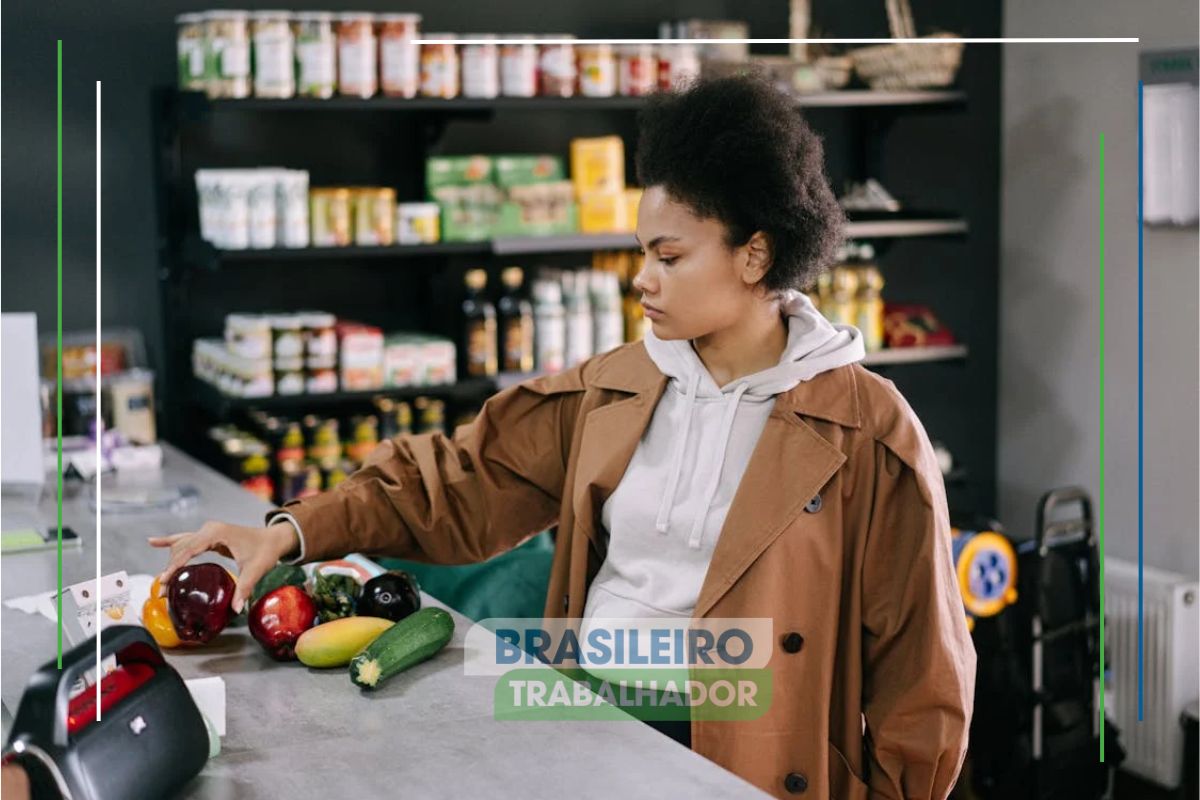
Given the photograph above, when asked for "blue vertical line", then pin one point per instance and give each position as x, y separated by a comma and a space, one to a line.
1141, 461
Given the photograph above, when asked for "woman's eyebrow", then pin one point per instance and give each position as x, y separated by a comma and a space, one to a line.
657, 240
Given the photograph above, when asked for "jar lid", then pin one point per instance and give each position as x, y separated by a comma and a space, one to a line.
226, 14
287, 321
440, 36
352, 16
317, 319
392, 17
270, 14
314, 16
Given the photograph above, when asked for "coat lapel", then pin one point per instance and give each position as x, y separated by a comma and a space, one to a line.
765, 504
611, 434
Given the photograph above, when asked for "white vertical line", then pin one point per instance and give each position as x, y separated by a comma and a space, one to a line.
99, 418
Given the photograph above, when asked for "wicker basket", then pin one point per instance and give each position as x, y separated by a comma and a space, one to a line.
909, 66
834, 71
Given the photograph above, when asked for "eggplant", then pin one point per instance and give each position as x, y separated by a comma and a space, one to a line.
393, 595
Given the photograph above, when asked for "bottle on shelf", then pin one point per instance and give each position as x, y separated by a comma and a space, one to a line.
515, 317
579, 317
480, 316
550, 325
843, 308
608, 321
870, 301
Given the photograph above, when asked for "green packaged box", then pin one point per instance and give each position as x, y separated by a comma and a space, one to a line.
457, 171
518, 170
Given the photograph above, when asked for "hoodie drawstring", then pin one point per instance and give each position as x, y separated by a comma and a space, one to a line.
714, 477
663, 521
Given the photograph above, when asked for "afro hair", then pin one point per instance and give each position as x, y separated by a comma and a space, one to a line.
736, 149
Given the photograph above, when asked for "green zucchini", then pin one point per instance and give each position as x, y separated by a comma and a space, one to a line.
410, 641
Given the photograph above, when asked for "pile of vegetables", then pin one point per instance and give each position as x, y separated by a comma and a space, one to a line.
377, 627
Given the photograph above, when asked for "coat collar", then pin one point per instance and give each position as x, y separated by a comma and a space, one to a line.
831, 396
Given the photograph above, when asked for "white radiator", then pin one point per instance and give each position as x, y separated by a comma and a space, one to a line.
1170, 630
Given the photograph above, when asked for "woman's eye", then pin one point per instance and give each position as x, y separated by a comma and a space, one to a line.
669, 260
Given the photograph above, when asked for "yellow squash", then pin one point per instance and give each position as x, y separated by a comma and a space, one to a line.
333, 644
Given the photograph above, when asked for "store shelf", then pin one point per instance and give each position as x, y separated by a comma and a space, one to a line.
573, 243
219, 404
902, 225
859, 98
914, 355
850, 98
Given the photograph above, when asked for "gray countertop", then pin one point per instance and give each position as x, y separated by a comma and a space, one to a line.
296, 732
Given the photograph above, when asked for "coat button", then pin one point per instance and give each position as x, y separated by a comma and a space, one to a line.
795, 782
814, 505
792, 642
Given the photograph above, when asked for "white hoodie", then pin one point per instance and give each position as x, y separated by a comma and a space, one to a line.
665, 515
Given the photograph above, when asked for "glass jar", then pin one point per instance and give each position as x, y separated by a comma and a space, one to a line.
316, 54
678, 64
272, 58
519, 67
228, 34
556, 67
357, 75
481, 67
330, 216
191, 45
399, 55
637, 74
374, 216
597, 70
439, 67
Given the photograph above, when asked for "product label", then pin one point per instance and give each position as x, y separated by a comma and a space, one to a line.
273, 61
518, 73
235, 60
316, 64
356, 61
400, 64
481, 354
518, 344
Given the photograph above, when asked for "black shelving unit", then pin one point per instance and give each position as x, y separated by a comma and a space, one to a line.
950, 264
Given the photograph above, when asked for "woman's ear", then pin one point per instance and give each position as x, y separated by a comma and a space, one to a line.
759, 256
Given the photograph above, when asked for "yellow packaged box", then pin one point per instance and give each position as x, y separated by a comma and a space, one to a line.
598, 164
602, 212
633, 198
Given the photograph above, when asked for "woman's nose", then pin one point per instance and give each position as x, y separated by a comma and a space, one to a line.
642, 280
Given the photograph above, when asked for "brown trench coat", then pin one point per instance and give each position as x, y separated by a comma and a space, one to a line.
875, 702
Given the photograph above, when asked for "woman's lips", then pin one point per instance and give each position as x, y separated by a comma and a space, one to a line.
652, 312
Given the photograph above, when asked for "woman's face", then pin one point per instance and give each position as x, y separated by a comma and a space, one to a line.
692, 283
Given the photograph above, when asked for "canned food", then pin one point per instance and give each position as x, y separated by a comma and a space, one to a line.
287, 338
247, 463
374, 216
291, 446
432, 415
330, 217
678, 64
299, 480
321, 380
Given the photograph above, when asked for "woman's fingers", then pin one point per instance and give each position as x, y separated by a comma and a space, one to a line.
166, 541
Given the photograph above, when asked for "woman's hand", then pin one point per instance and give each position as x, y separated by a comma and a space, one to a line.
256, 551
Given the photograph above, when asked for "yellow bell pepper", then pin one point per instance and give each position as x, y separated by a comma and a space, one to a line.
157, 619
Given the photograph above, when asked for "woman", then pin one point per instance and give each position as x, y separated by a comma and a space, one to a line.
737, 463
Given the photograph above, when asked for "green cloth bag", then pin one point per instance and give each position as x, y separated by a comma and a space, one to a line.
512, 584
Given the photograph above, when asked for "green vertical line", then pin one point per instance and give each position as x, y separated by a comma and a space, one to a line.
58, 224
1103, 708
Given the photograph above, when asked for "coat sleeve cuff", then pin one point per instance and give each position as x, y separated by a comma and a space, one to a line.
284, 516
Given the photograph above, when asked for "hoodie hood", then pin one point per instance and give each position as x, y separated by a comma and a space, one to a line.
814, 345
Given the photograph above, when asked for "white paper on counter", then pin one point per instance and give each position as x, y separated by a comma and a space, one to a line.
209, 694
43, 603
